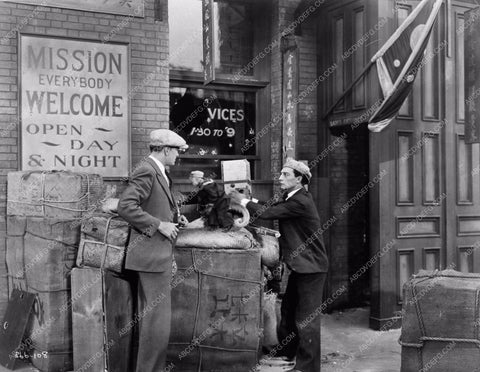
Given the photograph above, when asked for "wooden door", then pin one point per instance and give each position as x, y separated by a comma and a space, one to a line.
425, 214
463, 204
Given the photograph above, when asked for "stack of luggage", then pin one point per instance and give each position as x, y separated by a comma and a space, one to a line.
102, 300
44, 214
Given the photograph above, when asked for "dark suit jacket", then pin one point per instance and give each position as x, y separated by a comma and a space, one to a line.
145, 202
301, 242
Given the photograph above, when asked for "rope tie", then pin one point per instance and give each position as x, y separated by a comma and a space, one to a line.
105, 237
44, 202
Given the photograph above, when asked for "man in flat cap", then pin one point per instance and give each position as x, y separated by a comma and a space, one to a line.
303, 251
148, 206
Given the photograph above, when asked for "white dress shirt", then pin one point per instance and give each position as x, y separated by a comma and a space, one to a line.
162, 168
245, 201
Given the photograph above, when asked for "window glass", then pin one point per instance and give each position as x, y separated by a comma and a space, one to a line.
185, 32
215, 123
234, 35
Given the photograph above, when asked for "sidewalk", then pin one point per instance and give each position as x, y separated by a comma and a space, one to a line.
348, 345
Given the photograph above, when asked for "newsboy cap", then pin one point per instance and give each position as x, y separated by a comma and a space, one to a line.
197, 173
166, 137
299, 167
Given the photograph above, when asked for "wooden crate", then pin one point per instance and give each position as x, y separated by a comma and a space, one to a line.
236, 175
97, 312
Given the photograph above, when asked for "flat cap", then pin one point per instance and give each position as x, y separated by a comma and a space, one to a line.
197, 173
166, 137
299, 167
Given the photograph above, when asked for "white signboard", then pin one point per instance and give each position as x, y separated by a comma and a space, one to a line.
74, 106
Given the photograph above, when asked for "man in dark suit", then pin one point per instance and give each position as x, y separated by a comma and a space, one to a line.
303, 251
148, 206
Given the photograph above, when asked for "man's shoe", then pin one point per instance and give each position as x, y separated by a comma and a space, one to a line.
277, 361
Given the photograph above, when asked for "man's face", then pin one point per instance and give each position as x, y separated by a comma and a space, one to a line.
171, 155
195, 180
288, 180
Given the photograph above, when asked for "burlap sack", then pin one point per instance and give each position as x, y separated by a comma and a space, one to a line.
202, 238
53, 194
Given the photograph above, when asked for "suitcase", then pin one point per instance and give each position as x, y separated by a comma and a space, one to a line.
441, 320
102, 311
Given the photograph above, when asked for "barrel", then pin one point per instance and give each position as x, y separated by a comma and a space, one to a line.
217, 310
441, 321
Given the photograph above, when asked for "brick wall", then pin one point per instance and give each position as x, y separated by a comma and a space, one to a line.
148, 42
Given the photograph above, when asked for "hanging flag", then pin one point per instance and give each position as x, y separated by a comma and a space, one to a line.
400, 59
398, 62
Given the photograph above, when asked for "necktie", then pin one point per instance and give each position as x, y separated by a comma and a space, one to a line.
169, 180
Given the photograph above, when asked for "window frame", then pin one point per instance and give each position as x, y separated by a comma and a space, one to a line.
256, 83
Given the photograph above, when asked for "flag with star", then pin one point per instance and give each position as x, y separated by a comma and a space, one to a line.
397, 64
400, 59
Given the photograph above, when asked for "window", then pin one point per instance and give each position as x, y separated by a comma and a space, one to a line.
217, 124
234, 35
219, 121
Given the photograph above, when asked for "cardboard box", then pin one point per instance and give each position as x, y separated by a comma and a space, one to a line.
236, 175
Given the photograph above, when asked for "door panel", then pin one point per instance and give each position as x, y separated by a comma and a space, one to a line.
419, 220
429, 213
463, 221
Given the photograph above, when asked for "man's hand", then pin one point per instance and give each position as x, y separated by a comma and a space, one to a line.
236, 196
168, 229
182, 221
